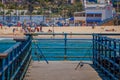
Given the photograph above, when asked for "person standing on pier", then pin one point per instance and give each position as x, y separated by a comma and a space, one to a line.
14, 31
0, 25
40, 28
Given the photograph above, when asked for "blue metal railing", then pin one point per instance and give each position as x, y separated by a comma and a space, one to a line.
106, 54
40, 53
15, 60
104, 50
63, 46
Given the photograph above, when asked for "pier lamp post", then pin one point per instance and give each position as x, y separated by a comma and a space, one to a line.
2, 8
53, 18
16, 10
117, 11
3, 12
30, 8
43, 9
53, 25
54, 4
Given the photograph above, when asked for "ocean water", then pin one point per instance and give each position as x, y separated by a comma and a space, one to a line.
6, 43
55, 49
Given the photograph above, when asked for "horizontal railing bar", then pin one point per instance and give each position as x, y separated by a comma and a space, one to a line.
31, 33
57, 33
107, 46
5, 53
66, 42
63, 48
110, 39
60, 39
64, 56
117, 50
3, 42
88, 53
118, 34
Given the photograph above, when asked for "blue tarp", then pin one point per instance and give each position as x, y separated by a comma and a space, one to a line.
93, 20
92, 0
61, 19
10, 24
93, 13
71, 19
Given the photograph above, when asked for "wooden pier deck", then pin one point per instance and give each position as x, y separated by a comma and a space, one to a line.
60, 70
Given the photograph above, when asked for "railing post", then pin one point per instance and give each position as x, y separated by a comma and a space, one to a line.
119, 48
93, 47
119, 61
8, 70
105, 44
110, 49
1, 68
65, 49
114, 43
3, 65
114, 49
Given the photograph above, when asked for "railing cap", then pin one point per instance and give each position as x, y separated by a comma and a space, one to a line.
3, 55
19, 39
39, 33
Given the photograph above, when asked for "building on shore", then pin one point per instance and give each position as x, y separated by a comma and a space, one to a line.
94, 13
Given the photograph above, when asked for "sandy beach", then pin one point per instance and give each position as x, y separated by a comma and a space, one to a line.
8, 32
18, 31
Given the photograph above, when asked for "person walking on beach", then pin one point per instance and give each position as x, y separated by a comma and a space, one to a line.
24, 27
18, 24
40, 28
13, 31
0, 25
70, 34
